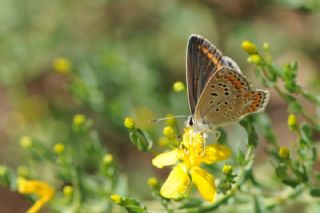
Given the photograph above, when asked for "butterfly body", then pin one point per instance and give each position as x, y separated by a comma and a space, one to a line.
218, 92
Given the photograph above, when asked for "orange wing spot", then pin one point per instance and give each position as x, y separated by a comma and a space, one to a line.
247, 94
205, 50
238, 85
210, 56
214, 59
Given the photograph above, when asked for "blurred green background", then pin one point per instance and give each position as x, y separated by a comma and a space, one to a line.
125, 56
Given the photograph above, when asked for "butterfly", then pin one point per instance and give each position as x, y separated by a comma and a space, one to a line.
218, 92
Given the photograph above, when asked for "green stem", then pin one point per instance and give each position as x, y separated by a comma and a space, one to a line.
76, 202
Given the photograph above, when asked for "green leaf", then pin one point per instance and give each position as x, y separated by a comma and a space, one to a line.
240, 158
315, 192
141, 139
258, 205
133, 206
306, 133
281, 170
291, 181
223, 136
247, 123
292, 86
294, 107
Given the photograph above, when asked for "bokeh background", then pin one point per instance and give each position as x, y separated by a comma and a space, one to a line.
126, 54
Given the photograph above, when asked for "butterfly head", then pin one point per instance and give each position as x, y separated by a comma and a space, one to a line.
198, 125
190, 121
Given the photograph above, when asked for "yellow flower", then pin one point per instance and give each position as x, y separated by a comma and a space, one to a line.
58, 148
62, 65
107, 159
168, 131
254, 59
191, 154
178, 86
292, 121
116, 198
128, 123
25, 142
3, 170
284, 153
227, 169
249, 47
67, 190
40, 188
79, 119
152, 182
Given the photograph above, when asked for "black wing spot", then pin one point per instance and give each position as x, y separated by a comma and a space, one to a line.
226, 93
217, 109
213, 86
211, 102
226, 103
214, 94
230, 108
226, 89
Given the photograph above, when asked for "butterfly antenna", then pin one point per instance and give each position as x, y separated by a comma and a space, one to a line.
169, 117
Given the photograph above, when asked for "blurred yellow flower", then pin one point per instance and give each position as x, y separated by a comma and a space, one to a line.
67, 190
116, 198
107, 159
178, 86
266, 46
249, 47
284, 153
58, 148
191, 154
168, 131
79, 119
25, 142
153, 182
254, 59
23, 171
62, 65
292, 121
128, 123
3, 170
40, 188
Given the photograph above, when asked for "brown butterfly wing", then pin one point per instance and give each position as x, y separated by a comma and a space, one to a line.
203, 60
227, 98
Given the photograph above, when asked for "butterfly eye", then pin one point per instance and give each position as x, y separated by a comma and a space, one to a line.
190, 122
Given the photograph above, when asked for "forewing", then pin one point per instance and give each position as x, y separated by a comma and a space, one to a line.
203, 60
227, 98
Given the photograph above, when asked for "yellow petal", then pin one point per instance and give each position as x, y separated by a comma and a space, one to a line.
177, 183
216, 152
204, 182
165, 159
